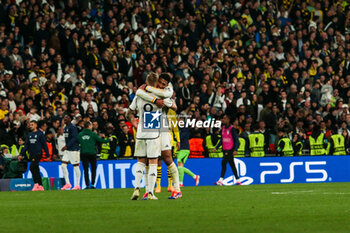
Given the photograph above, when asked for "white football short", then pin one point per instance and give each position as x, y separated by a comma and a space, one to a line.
165, 141
149, 148
71, 156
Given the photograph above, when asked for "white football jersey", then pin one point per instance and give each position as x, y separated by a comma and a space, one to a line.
149, 118
165, 94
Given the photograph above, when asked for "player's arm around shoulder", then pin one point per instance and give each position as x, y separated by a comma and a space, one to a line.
162, 93
145, 95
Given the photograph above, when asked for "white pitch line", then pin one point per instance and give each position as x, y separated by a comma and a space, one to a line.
309, 191
292, 192
329, 193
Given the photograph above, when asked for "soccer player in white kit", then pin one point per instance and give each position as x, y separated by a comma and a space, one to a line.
164, 92
147, 147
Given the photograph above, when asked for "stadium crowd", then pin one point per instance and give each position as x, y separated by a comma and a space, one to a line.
277, 67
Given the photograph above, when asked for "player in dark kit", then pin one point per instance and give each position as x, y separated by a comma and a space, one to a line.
71, 153
35, 144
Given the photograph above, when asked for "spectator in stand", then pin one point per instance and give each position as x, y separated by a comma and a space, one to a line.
220, 54
126, 142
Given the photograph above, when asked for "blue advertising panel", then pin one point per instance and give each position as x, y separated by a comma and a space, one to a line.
21, 184
268, 170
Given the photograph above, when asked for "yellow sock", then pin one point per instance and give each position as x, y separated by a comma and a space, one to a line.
170, 180
159, 176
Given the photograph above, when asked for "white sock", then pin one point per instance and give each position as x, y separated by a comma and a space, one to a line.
146, 177
139, 167
238, 180
175, 176
152, 177
77, 175
65, 173
221, 179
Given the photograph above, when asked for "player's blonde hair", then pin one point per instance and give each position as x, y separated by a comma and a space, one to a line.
152, 78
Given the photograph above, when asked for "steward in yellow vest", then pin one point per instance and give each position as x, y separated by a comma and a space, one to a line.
256, 142
108, 148
211, 142
241, 152
284, 146
336, 145
317, 142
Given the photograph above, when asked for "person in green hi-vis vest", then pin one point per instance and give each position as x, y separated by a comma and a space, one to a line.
318, 143
108, 148
336, 145
211, 142
16, 149
241, 152
284, 145
256, 142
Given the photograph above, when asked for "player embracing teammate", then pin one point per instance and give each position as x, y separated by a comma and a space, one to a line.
154, 102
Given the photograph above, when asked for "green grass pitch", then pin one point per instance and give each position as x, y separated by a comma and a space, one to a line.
257, 208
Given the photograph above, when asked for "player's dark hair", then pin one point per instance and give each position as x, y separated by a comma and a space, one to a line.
165, 76
228, 116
